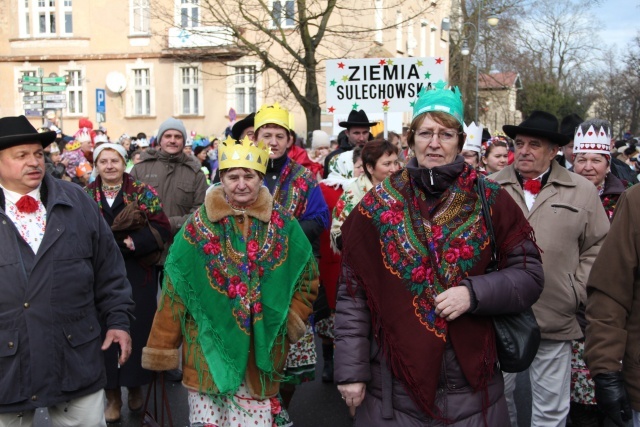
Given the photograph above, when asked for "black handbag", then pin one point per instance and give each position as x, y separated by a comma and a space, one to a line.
517, 334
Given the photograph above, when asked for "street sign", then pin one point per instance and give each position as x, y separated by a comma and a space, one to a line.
33, 112
101, 106
55, 97
53, 79
53, 88
30, 79
32, 98
31, 88
55, 105
32, 106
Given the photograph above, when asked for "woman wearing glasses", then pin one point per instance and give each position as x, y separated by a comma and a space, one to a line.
414, 337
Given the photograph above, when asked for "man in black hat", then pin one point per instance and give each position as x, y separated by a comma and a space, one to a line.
62, 281
570, 225
357, 133
243, 128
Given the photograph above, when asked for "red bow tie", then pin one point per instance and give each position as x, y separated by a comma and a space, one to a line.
533, 186
27, 204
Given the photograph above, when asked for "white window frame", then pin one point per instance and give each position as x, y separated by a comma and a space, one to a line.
188, 6
197, 87
287, 17
139, 17
76, 89
399, 46
135, 86
244, 77
29, 12
379, 14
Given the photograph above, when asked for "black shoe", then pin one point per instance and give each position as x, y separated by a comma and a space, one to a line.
173, 375
327, 371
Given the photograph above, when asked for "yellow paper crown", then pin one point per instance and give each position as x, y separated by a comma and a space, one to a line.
272, 114
243, 154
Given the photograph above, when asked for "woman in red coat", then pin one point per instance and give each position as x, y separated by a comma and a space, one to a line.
329, 264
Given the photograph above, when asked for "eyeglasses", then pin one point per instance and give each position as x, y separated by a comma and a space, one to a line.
443, 136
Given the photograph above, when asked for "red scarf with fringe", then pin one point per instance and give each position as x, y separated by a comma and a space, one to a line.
406, 247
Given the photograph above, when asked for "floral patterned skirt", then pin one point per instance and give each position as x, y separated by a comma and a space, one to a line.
324, 327
301, 360
239, 411
582, 386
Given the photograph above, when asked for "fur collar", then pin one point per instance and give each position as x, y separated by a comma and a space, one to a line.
218, 208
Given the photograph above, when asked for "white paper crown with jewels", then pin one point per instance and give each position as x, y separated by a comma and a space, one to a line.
592, 141
473, 140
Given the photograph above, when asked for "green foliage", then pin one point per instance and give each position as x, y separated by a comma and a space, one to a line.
547, 97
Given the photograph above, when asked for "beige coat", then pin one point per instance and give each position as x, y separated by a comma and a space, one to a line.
613, 307
570, 225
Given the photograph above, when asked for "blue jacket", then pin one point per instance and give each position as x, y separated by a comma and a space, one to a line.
53, 301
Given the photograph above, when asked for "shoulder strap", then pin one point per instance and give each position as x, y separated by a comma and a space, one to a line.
486, 211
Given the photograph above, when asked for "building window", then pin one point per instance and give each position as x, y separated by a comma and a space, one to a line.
139, 15
141, 92
245, 89
189, 13
191, 90
283, 13
45, 18
75, 92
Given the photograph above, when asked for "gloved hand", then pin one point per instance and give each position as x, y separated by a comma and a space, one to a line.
612, 398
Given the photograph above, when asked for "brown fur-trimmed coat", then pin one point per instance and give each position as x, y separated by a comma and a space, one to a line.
161, 352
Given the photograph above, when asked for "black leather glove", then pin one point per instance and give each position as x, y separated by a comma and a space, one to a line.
123, 248
612, 398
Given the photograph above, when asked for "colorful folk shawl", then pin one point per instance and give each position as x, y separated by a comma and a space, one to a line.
238, 291
405, 247
297, 192
613, 187
352, 195
132, 190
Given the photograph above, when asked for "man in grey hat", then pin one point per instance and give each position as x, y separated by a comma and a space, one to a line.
176, 176
570, 225
178, 179
62, 280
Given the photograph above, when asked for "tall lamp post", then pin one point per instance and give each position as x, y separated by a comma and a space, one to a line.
492, 20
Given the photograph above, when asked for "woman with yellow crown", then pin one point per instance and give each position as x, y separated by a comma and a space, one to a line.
295, 188
414, 337
239, 286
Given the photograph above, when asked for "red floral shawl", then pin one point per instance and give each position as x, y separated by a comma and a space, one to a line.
424, 246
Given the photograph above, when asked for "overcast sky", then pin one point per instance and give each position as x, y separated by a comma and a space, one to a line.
620, 21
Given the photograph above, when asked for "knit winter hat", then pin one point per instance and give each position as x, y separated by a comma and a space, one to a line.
319, 139
172, 124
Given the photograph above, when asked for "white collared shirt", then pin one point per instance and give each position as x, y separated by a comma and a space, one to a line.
529, 197
31, 226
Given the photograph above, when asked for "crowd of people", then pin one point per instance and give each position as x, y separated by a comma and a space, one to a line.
217, 261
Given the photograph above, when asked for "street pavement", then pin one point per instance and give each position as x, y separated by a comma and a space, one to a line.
314, 404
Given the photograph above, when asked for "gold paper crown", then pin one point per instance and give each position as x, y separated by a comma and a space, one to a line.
244, 154
273, 114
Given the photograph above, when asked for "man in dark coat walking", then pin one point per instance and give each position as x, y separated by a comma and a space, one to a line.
356, 133
61, 274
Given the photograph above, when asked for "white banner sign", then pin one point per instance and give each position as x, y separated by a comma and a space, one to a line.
379, 84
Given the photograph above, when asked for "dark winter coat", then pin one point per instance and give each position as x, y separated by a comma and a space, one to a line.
143, 279
54, 301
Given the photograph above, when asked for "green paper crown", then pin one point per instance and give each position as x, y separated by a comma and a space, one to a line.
439, 98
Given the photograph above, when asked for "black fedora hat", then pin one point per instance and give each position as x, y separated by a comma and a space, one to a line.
357, 118
539, 123
241, 125
17, 130
569, 124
